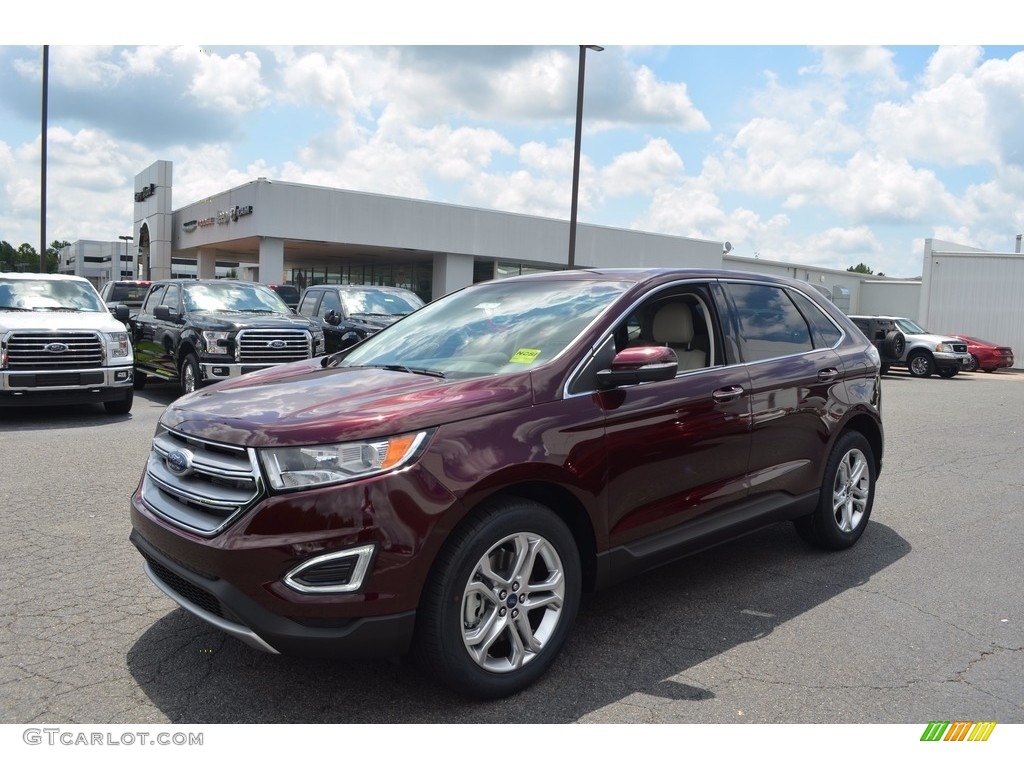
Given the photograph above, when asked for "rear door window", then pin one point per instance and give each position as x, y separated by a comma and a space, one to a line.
768, 324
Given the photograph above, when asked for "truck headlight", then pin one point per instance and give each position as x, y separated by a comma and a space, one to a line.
318, 342
312, 465
212, 337
118, 345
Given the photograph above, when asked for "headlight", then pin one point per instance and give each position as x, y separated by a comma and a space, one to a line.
118, 345
312, 465
318, 342
212, 337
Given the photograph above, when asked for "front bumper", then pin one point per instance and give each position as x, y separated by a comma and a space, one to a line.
220, 604
93, 385
952, 360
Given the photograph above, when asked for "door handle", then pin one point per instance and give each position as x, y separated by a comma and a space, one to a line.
827, 374
725, 394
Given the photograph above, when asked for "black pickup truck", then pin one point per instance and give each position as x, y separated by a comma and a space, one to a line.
199, 331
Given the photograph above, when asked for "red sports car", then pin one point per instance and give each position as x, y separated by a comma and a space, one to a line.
987, 356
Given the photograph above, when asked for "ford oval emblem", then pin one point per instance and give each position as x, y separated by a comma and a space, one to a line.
57, 347
179, 461
277, 344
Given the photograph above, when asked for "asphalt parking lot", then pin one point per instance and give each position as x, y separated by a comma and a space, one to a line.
923, 620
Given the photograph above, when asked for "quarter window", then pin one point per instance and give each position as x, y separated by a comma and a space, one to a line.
824, 331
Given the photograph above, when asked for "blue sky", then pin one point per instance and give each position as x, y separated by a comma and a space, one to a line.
809, 144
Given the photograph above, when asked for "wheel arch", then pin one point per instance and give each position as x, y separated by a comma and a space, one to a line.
872, 432
563, 504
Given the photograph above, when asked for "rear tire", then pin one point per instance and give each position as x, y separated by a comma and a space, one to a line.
894, 345
847, 493
500, 601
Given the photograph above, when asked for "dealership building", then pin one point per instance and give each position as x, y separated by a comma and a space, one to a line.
282, 232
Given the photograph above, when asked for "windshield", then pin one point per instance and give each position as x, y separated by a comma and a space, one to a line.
498, 327
53, 295
372, 302
233, 297
909, 326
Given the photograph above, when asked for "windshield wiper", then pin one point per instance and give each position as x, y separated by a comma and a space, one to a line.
404, 369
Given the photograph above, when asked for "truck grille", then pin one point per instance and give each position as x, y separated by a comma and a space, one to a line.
53, 351
267, 346
199, 485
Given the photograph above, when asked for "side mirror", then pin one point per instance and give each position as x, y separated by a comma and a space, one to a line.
332, 318
121, 312
163, 312
637, 365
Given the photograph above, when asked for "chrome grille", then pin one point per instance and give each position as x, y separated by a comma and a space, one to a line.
268, 346
218, 484
53, 351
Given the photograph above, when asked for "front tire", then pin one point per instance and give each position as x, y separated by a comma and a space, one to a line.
847, 493
921, 365
122, 406
138, 380
189, 379
948, 373
500, 601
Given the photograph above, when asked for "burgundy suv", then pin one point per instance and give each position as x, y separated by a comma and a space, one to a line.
452, 484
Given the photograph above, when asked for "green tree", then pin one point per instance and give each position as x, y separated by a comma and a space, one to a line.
7, 256
863, 268
27, 259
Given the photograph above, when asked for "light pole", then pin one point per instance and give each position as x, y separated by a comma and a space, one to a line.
126, 238
576, 153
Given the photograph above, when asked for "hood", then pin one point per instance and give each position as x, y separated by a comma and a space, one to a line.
934, 338
230, 321
374, 320
59, 321
304, 403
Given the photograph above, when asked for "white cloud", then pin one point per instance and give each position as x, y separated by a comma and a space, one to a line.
229, 82
656, 164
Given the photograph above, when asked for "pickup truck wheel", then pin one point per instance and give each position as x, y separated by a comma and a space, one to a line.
139, 380
847, 493
501, 600
189, 374
947, 373
124, 405
921, 364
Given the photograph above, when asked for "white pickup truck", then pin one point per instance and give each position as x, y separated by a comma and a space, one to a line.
59, 343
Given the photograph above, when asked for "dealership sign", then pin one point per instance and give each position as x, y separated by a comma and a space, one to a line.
232, 214
222, 217
147, 191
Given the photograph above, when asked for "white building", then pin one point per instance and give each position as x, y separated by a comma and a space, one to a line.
275, 231
99, 260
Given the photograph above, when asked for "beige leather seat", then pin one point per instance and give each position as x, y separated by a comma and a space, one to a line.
673, 327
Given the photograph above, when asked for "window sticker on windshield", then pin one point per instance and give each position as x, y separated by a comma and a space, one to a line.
524, 355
